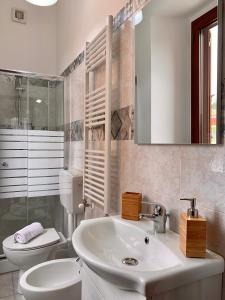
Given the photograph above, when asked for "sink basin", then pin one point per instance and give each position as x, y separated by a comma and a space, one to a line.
110, 241
127, 254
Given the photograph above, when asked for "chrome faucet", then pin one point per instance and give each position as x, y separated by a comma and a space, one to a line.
158, 216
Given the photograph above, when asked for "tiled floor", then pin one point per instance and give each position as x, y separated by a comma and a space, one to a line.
8, 287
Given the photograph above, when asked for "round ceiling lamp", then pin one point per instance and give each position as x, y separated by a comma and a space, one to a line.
42, 2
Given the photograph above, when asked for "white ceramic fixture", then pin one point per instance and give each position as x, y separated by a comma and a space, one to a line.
37, 251
104, 244
70, 186
52, 280
43, 2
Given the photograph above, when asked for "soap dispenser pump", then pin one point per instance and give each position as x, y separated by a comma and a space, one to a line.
192, 232
192, 212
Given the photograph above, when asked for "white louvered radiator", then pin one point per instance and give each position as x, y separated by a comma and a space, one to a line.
30, 162
97, 112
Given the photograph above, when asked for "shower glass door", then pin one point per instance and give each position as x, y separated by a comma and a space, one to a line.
13, 154
31, 151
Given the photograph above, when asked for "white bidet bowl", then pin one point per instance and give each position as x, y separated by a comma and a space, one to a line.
52, 280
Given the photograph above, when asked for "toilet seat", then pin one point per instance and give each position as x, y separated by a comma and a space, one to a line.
48, 238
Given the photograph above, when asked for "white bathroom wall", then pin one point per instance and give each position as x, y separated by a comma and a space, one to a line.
32, 46
78, 22
210, 5
170, 69
53, 36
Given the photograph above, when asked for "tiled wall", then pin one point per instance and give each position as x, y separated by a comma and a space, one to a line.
162, 173
122, 109
73, 116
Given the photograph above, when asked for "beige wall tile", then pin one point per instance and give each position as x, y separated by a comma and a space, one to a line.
153, 171
77, 95
67, 100
203, 175
76, 155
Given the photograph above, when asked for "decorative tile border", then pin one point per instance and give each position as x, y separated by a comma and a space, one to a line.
122, 128
77, 129
123, 123
130, 8
119, 19
67, 132
75, 64
74, 131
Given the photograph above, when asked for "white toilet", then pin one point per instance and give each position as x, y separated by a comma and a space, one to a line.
43, 248
36, 251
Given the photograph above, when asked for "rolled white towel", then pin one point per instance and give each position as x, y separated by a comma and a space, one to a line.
29, 232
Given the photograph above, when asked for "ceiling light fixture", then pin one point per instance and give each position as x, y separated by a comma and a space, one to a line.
42, 2
39, 101
138, 17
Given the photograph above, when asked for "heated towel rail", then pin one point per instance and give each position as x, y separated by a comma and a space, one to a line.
97, 113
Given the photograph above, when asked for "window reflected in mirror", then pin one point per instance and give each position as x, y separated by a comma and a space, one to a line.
204, 78
176, 72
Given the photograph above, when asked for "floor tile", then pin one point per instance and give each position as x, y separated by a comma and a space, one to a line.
19, 297
15, 277
6, 285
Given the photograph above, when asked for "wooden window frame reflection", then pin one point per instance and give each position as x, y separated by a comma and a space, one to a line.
204, 22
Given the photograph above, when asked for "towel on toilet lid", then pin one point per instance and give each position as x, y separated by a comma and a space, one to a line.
29, 232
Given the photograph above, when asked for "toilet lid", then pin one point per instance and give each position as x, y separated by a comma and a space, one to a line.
47, 238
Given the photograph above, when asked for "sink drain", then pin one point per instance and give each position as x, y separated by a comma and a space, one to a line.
129, 261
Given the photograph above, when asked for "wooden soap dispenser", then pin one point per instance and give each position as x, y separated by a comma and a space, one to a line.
192, 232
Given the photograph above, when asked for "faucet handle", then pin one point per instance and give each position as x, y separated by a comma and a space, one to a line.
84, 204
148, 216
157, 210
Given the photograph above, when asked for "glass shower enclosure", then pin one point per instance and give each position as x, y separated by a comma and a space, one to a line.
31, 151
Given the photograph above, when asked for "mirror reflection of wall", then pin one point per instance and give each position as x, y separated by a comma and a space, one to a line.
176, 94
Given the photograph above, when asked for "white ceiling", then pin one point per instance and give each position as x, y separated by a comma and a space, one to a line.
177, 7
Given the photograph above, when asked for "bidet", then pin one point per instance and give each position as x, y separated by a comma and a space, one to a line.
53, 280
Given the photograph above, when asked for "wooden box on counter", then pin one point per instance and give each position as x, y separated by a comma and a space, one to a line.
193, 236
131, 206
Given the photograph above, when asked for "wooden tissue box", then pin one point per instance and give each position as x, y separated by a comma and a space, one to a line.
193, 236
131, 206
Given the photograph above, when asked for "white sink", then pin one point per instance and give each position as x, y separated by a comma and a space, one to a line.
104, 243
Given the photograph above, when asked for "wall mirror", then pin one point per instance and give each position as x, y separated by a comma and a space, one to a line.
178, 72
